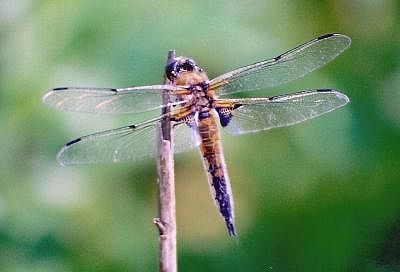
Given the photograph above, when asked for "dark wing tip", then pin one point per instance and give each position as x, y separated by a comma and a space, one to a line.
50, 93
324, 90
342, 36
61, 155
73, 142
326, 36
60, 88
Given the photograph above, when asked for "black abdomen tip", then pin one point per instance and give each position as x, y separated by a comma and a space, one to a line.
231, 229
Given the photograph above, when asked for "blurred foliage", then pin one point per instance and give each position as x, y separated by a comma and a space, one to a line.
320, 196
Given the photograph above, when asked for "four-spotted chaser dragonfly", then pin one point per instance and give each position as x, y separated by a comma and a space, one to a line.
198, 105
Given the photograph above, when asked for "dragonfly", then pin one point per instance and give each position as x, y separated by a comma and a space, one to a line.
199, 108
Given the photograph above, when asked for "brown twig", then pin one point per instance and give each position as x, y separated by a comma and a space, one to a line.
166, 223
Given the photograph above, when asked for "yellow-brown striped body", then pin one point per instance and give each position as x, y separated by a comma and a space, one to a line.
205, 123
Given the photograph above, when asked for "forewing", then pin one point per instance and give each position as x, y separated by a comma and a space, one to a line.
135, 142
108, 100
284, 68
255, 114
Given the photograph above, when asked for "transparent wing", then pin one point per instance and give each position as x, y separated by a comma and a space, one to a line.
284, 68
185, 137
108, 100
255, 114
134, 142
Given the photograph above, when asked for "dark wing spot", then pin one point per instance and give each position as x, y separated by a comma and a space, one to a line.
225, 115
324, 90
132, 126
325, 36
60, 88
237, 105
114, 90
278, 57
73, 142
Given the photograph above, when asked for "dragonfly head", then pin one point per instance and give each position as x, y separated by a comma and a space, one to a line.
180, 64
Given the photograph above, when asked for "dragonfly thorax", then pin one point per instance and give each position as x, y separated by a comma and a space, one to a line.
184, 71
202, 98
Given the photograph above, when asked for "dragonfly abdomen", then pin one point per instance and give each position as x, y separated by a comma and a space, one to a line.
214, 163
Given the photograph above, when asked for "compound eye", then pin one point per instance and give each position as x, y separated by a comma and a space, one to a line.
170, 70
188, 65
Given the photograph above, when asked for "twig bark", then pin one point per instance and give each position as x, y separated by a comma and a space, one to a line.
166, 223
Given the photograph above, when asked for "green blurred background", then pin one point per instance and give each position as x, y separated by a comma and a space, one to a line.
320, 196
